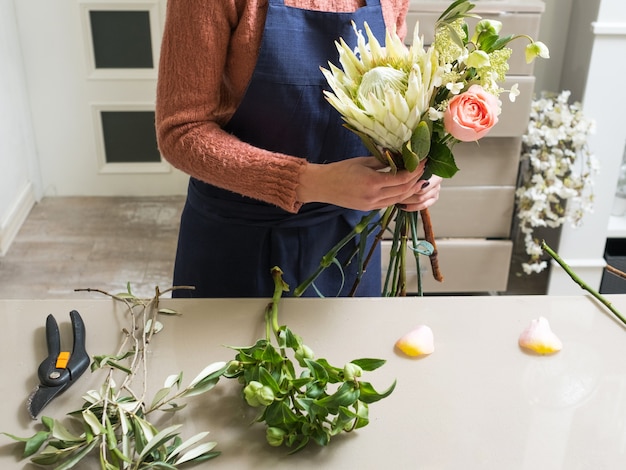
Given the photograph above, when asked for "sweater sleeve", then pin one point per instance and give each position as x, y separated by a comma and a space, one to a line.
208, 53
207, 57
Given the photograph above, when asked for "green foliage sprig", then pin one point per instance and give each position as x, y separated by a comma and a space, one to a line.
299, 407
114, 421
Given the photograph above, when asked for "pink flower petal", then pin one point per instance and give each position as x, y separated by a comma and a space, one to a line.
540, 338
418, 342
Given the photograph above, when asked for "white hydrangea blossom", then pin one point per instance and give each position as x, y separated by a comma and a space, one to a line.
557, 183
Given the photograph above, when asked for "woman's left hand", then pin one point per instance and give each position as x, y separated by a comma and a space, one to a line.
426, 194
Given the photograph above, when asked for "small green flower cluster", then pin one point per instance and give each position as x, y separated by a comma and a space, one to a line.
298, 407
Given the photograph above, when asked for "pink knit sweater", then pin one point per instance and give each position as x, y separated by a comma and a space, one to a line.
208, 53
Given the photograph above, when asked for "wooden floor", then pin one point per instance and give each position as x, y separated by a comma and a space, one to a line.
104, 243
92, 242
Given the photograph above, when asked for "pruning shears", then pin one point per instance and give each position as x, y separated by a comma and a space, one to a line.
60, 369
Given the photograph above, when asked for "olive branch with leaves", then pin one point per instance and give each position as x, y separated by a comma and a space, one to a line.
115, 421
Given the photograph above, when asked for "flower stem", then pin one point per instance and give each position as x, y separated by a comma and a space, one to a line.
332, 254
415, 241
581, 283
383, 224
403, 244
271, 312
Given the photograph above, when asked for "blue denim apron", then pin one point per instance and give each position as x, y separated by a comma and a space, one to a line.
228, 243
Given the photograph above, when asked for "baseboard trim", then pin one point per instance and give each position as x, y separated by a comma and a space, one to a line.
15, 218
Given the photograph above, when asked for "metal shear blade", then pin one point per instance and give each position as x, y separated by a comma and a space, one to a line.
60, 369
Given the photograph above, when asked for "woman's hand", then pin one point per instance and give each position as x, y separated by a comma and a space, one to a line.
362, 183
426, 196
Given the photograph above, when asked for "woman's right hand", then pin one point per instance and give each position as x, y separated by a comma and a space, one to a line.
359, 183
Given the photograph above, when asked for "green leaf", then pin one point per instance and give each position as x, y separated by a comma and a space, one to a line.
279, 414
301, 443
93, 422
362, 412
271, 355
456, 10
123, 420
202, 450
110, 361
158, 440
209, 373
34, 443
369, 364
318, 371
48, 422
173, 408
370, 395
292, 340
315, 389
159, 396
110, 433
143, 432
344, 418
168, 311
49, 456
417, 148
267, 379
335, 374
486, 41
501, 42
159, 464
441, 161
410, 160
174, 379
61, 433
345, 395
193, 440
77, 457
153, 327
321, 436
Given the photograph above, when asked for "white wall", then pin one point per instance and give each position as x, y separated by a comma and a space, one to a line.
19, 173
603, 100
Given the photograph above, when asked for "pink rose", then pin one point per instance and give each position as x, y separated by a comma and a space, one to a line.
472, 114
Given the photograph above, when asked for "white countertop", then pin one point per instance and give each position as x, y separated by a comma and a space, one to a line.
478, 402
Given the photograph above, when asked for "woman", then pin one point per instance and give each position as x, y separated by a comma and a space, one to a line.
276, 180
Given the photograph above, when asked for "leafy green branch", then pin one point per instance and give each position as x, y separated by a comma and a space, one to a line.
299, 407
114, 421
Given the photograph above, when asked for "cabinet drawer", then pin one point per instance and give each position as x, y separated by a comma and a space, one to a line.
474, 212
489, 162
521, 18
467, 265
477, 211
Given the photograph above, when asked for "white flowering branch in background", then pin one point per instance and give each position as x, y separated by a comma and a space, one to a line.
557, 171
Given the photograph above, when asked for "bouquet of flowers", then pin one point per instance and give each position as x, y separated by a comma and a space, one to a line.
408, 104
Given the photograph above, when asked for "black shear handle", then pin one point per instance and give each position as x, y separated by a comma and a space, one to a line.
78, 362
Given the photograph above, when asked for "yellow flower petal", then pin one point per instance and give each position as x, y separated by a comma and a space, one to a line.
540, 338
418, 342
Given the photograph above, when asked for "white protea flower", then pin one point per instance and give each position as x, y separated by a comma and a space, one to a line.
383, 92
